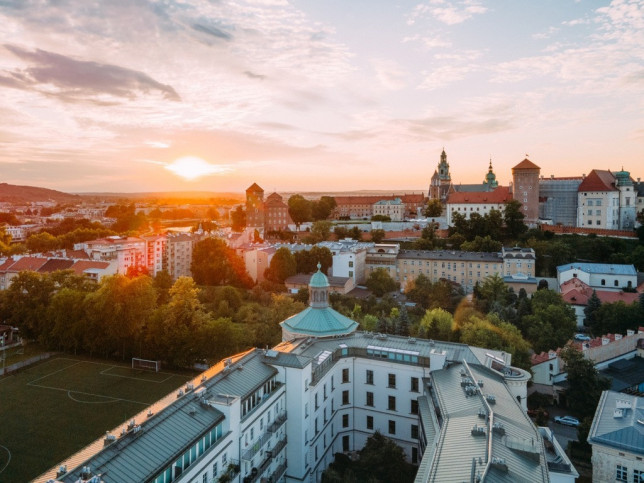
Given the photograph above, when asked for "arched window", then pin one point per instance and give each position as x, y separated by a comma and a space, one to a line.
603, 282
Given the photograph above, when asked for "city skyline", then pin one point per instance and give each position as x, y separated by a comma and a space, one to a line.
299, 95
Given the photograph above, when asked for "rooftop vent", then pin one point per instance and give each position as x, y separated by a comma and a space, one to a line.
482, 413
480, 382
189, 387
618, 413
411, 340
623, 404
61, 470
498, 428
478, 430
109, 438
490, 398
499, 464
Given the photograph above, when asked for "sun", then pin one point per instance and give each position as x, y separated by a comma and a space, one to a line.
192, 167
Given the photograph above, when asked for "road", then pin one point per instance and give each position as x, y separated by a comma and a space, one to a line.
564, 434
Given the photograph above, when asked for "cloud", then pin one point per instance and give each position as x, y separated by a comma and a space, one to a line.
390, 74
252, 75
63, 76
449, 13
443, 76
212, 31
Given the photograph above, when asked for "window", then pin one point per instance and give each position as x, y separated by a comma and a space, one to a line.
345, 376
345, 420
306, 410
638, 476
392, 403
204, 477
317, 430
350, 264
369, 377
345, 397
369, 422
392, 427
369, 399
414, 406
392, 380
316, 402
414, 431
325, 396
345, 443
603, 281
414, 384
622, 473
616, 283
214, 470
414, 455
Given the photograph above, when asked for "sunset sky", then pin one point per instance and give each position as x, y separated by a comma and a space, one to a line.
315, 95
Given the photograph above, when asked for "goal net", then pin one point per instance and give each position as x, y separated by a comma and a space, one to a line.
146, 364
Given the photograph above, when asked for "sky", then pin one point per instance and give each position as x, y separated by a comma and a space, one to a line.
315, 95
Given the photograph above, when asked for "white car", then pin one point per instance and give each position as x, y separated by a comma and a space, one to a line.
582, 337
567, 420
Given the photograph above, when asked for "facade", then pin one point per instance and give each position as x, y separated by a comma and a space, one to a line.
156, 248
394, 209
525, 189
558, 200
607, 200
276, 215
280, 415
128, 252
257, 259
349, 259
178, 254
254, 206
464, 268
599, 276
358, 207
441, 180
481, 202
617, 438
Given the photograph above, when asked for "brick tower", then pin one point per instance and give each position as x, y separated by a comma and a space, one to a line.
525, 189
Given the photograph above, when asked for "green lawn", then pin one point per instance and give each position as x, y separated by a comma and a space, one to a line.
56, 407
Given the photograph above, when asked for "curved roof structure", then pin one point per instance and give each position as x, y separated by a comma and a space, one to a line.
319, 322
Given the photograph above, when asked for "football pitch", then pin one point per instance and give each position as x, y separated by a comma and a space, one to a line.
54, 408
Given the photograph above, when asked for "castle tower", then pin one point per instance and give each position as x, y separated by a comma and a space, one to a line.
627, 200
490, 178
441, 180
525, 189
255, 206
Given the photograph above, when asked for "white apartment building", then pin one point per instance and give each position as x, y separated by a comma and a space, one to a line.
155, 248
599, 276
349, 259
280, 415
607, 200
128, 252
481, 202
178, 254
617, 439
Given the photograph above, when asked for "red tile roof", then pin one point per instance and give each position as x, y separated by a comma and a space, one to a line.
77, 254
498, 196
370, 200
27, 263
526, 164
55, 264
82, 265
7, 264
598, 180
576, 292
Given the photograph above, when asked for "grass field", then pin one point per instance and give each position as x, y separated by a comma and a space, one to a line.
56, 407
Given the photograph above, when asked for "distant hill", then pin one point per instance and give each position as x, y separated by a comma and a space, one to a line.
26, 194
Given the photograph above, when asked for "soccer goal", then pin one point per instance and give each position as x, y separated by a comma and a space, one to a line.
146, 364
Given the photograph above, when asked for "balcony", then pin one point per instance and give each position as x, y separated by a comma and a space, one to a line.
278, 423
278, 473
232, 470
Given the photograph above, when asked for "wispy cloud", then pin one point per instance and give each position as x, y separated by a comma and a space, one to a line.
55, 74
448, 12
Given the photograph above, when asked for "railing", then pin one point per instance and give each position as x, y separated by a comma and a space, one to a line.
256, 446
232, 470
264, 398
278, 446
278, 423
277, 474
322, 369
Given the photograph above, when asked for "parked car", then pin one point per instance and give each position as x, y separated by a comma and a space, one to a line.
567, 420
582, 337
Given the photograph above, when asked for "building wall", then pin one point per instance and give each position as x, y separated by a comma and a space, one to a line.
606, 459
467, 209
604, 281
598, 209
525, 189
558, 200
350, 264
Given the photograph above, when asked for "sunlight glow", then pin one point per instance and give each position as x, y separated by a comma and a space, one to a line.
191, 167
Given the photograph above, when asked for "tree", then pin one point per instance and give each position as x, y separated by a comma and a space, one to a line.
382, 460
321, 230
355, 233
9, 219
585, 385
322, 209
341, 232
300, 209
433, 209
214, 263
377, 235
437, 324
238, 218
513, 218
590, 310
282, 266
380, 282
482, 244
307, 260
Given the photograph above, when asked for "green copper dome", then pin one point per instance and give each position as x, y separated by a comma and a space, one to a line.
319, 280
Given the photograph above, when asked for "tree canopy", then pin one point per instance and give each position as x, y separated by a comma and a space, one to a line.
214, 263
